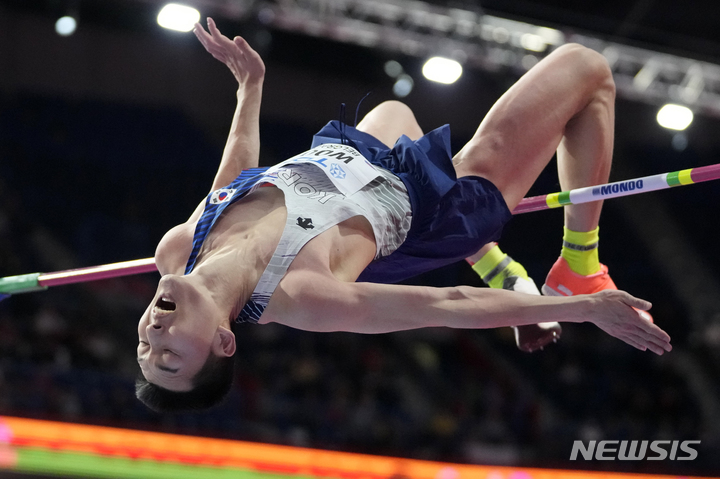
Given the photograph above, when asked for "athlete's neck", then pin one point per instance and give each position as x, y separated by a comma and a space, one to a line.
238, 249
231, 272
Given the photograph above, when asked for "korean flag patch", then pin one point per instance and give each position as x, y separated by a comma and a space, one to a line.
223, 195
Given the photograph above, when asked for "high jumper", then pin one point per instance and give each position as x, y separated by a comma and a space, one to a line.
316, 241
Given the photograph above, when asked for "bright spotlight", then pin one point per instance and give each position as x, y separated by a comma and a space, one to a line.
178, 17
442, 70
674, 117
65, 26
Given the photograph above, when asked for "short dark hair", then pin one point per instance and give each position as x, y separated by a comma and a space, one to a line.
209, 387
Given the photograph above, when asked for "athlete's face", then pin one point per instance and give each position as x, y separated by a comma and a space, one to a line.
177, 332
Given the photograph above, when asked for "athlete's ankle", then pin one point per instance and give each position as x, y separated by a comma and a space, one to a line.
580, 250
495, 266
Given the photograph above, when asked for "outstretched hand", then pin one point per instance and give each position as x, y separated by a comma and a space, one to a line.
244, 62
612, 311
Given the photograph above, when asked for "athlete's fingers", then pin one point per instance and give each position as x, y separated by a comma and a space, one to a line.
214, 29
201, 34
217, 51
209, 43
642, 322
653, 330
652, 339
211, 26
632, 342
220, 39
652, 346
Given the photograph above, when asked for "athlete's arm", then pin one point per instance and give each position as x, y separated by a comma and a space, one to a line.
317, 302
242, 149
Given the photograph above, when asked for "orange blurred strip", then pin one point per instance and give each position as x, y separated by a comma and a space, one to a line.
247, 455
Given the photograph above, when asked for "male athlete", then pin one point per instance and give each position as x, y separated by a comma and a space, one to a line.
313, 242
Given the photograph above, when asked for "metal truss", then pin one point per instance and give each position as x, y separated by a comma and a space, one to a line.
656, 77
418, 28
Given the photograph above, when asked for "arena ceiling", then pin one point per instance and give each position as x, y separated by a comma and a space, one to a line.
687, 28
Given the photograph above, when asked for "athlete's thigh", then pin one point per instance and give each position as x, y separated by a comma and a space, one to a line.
521, 132
390, 120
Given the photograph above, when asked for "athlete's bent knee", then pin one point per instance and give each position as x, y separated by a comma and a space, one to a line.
397, 107
590, 68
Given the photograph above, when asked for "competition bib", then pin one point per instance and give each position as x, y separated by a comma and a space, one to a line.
344, 166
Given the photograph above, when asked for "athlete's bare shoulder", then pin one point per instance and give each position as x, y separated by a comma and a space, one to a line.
174, 249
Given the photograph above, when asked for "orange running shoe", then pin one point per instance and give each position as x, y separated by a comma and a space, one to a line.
562, 281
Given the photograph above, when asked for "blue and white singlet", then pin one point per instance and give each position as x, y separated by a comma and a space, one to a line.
322, 187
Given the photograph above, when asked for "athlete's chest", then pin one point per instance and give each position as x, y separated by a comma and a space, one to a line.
255, 219
266, 225
257, 223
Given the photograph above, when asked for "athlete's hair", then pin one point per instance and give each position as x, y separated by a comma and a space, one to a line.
209, 387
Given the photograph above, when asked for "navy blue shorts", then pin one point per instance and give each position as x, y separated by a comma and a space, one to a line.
452, 217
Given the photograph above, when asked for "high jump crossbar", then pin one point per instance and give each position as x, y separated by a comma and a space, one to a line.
39, 281
26, 283
619, 188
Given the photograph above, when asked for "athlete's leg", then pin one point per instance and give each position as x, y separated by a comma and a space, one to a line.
498, 270
390, 120
564, 103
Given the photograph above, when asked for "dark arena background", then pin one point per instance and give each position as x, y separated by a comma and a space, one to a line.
111, 135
